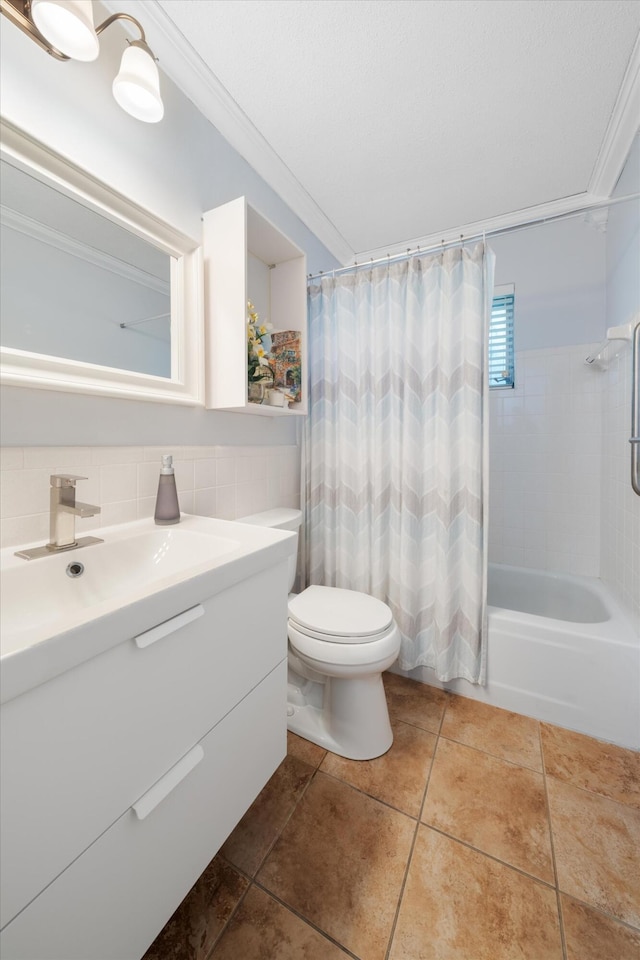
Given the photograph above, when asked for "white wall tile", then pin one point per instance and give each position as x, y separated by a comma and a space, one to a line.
123, 481
545, 456
204, 475
11, 458
118, 481
204, 502
225, 471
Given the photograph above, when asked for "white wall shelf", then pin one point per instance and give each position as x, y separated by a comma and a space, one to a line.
247, 258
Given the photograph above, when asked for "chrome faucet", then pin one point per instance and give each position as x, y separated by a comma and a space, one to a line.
64, 508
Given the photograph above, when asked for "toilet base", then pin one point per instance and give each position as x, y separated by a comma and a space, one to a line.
349, 717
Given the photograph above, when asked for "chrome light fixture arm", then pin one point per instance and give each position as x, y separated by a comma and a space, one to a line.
65, 29
19, 12
140, 42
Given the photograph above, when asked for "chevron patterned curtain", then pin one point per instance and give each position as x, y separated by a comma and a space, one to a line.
396, 452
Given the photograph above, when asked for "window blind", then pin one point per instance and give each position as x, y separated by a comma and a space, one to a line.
501, 358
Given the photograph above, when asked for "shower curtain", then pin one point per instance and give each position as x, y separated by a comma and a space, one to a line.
396, 449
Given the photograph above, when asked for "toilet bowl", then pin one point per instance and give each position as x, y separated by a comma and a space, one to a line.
340, 641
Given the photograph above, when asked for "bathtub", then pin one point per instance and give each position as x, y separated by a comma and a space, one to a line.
560, 649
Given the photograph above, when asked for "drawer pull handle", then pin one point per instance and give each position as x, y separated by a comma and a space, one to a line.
169, 626
150, 800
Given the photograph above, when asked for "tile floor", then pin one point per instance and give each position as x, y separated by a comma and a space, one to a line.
481, 835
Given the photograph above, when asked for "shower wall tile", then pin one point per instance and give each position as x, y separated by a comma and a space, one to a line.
226, 482
620, 505
545, 463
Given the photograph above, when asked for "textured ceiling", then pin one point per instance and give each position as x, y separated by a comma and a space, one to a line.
402, 119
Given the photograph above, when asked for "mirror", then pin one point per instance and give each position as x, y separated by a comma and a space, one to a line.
97, 295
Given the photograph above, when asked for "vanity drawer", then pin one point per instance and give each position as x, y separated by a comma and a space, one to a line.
116, 897
80, 749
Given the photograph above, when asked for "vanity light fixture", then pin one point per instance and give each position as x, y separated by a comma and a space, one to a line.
65, 29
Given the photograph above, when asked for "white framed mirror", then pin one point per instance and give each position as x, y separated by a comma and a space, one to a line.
98, 295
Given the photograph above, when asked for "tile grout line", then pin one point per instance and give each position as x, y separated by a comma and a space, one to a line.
252, 879
306, 920
370, 796
415, 837
261, 886
563, 941
217, 940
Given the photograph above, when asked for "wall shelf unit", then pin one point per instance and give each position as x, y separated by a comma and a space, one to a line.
247, 258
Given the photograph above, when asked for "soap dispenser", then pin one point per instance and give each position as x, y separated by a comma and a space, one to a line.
167, 508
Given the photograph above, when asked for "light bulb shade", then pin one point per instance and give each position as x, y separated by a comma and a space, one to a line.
137, 86
68, 26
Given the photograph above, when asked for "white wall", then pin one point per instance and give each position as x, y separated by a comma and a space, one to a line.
176, 169
620, 556
559, 274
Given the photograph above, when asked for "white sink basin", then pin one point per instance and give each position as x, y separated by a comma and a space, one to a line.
40, 602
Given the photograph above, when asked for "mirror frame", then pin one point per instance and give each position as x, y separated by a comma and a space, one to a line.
186, 385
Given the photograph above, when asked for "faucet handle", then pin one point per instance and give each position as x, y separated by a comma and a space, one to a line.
64, 479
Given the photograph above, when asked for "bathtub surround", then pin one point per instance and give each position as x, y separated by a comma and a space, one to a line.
213, 481
620, 530
395, 448
545, 443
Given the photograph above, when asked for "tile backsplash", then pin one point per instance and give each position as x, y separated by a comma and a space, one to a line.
213, 481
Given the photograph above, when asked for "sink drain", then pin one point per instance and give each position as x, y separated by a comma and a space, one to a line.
75, 569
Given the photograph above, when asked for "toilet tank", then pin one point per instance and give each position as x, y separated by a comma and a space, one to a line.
282, 518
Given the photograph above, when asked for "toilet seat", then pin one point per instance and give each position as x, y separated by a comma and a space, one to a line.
335, 615
322, 650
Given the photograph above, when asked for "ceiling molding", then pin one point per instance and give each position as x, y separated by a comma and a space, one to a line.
189, 72
538, 213
622, 128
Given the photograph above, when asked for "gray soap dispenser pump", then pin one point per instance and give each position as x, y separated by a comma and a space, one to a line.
167, 508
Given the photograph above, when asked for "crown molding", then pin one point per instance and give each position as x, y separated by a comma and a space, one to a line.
517, 218
622, 128
189, 72
197, 81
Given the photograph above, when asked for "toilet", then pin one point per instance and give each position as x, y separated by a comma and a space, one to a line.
340, 641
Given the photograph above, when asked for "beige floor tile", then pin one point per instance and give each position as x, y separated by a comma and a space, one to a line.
262, 929
340, 862
414, 702
501, 733
496, 806
399, 776
590, 935
200, 918
592, 764
461, 905
597, 849
250, 841
303, 749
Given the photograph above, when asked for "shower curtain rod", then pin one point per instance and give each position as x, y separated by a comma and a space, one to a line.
482, 235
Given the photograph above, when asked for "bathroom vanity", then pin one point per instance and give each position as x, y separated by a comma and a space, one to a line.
139, 721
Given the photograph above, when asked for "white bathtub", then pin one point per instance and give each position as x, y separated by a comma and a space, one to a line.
561, 649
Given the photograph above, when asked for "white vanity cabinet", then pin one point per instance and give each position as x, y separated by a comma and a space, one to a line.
123, 776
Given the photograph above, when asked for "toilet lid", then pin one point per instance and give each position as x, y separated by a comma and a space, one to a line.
340, 614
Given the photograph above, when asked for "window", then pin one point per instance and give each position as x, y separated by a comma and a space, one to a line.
501, 359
